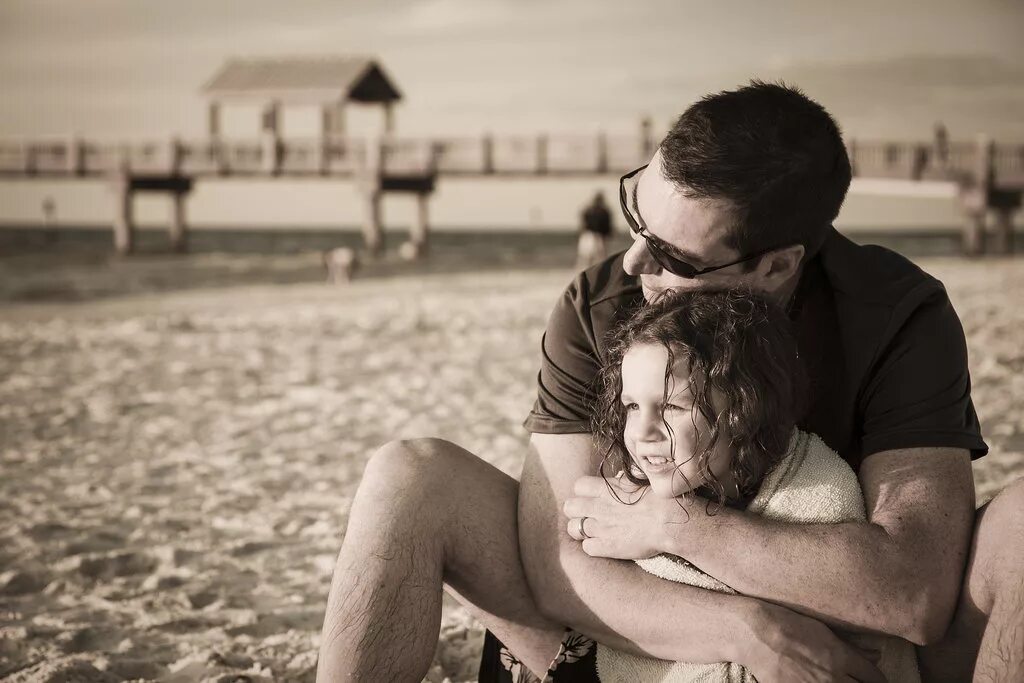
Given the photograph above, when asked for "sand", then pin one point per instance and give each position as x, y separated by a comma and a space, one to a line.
176, 469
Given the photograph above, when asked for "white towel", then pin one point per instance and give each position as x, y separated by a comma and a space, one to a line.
811, 484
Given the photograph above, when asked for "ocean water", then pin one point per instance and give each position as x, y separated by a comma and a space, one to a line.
485, 243
40, 264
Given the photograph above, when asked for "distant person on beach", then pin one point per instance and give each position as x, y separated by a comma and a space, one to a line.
741, 192
941, 144
50, 219
700, 396
595, 227
49, 211
341, 263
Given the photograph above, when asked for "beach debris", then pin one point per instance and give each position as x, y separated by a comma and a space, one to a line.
412, 251
341, 264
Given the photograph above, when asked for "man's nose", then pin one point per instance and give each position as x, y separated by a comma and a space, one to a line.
638, 260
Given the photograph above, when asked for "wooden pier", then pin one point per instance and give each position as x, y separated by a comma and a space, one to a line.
987, 177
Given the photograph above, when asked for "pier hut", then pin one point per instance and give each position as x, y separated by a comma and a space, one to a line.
330, 83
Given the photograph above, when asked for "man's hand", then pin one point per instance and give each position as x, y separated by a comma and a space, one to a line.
791, 647
620, 521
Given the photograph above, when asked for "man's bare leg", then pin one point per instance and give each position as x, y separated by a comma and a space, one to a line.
426, 513
986, 638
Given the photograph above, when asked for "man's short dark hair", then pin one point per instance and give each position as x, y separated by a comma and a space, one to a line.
773, 153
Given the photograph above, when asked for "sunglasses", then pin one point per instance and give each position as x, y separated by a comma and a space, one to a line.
674, 265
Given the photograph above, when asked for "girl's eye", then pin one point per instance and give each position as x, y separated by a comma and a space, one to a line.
630, 406
673, 406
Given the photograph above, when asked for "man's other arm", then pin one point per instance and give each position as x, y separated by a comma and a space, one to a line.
900, 573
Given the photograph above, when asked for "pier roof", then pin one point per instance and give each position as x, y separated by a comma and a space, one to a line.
310, 80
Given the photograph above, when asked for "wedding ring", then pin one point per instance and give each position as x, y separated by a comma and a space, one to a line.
581, 530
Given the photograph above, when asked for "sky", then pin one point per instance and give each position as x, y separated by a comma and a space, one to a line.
133, 69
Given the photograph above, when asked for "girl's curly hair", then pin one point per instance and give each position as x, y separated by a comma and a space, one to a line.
736, 344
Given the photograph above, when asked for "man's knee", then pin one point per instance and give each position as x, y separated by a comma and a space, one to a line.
1012, 497
1002, 519
410, 463
999, 540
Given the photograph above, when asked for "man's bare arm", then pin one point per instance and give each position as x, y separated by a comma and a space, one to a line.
898, 574
620, 605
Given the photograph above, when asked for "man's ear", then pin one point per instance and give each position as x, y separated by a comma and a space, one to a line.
781, 265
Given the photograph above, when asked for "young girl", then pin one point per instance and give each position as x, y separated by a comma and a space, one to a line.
701, 394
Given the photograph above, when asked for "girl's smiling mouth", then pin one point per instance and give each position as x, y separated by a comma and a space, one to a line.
658, 463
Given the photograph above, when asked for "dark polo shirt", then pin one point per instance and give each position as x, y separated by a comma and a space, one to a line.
884, 351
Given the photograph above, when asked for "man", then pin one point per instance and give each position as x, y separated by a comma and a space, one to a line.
743, 190
595, 227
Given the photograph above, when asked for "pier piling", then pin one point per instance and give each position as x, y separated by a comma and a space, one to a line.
1003, 231
124, 228
177, 230
973, 237
421, 223
373, 240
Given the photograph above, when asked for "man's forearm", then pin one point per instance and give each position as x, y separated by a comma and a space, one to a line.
849, 575
899, 574
852, 575
620, 605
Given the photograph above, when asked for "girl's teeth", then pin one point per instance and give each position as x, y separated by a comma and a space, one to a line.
657, 461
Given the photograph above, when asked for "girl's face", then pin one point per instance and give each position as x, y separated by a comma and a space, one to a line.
668, 462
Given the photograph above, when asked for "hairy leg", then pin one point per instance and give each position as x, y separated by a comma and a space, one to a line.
1001, 656
427, 513
986, 638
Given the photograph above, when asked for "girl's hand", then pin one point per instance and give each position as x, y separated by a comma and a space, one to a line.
633, 529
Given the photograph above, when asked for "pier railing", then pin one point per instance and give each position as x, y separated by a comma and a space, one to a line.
986, 176
488, 155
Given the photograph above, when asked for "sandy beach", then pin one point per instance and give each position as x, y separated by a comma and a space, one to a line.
176, 468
